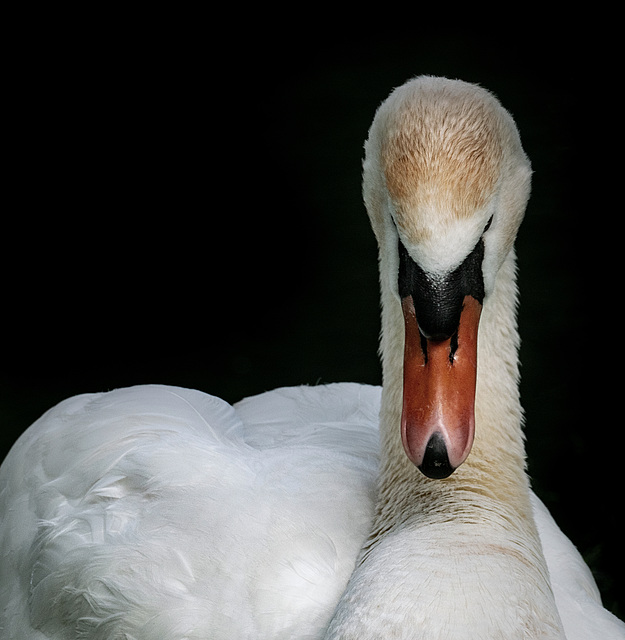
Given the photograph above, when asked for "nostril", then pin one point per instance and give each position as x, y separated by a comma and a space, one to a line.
453, 347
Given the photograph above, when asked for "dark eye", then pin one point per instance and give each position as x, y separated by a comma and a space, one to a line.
487, 227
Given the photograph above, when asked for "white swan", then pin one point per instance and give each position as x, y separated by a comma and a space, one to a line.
163, 513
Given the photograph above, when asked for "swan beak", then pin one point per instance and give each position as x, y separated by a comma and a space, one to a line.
438, 413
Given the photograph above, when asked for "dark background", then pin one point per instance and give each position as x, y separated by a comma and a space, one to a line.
185, 209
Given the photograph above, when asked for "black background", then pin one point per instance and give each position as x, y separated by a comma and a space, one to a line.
184, 208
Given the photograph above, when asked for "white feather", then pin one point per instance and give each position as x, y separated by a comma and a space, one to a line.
158, 512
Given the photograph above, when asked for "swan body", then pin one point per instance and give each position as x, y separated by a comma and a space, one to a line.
158, 512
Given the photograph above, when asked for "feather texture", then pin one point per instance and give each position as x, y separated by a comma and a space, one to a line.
163, 513
158, 512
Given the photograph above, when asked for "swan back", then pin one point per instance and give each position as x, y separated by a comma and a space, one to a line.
160, 512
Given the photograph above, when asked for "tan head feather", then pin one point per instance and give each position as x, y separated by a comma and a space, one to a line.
441, 151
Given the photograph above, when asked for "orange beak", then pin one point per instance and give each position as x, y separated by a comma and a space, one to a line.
438, 413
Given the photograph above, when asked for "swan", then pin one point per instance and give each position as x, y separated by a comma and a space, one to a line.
342, 511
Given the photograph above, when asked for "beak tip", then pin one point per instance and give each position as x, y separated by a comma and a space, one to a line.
435, 464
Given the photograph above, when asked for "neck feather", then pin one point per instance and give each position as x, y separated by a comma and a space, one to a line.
443, 553
495, 468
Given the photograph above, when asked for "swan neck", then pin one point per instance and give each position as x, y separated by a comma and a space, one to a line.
496, 464
467, 530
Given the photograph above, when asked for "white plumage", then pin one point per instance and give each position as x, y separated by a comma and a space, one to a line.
161, 513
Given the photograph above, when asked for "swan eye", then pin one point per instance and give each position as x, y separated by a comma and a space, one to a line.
487, 227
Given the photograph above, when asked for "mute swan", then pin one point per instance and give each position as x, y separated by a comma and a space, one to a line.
156, 512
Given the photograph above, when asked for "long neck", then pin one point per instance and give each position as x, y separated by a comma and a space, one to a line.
496, 465
459, 557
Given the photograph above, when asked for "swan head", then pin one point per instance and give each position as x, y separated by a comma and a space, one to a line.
445, 183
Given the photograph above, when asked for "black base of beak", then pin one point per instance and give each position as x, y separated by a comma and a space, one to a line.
438, 301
